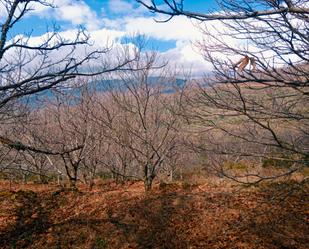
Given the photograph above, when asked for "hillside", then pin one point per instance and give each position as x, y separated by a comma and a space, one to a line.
171, 216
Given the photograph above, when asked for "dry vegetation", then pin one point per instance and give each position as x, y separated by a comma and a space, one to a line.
171, 216
122, 153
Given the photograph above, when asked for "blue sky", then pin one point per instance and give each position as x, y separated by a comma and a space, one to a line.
116, 19
111, 21
38, 24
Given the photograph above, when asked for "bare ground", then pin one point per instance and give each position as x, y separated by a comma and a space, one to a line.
171, 216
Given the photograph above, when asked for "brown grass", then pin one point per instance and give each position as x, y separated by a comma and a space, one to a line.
170, 216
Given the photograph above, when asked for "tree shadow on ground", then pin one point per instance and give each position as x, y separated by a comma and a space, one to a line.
31, 220
258, 219
161, 219
149, 223
280, 218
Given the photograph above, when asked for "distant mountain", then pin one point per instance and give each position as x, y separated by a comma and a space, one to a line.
97, 86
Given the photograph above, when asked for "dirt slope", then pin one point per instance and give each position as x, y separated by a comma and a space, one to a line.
173, 217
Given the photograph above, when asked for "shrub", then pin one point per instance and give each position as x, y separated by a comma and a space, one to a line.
105, 175
305, 172
238, 166
189, 186
100, 243
281, 161
168, 186
3, 176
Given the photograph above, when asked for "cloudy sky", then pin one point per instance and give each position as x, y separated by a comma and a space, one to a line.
116, 19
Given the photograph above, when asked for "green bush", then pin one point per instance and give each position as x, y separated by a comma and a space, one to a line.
168, 186
100, 243
305, 172
284, 161
238, 166
33, 178
3, 176
105, 175
24, 194
305, 161
189, 186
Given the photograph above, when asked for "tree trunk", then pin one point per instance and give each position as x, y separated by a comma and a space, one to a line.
91, 180
25, 179
147, 184
42, 178
73, 183
59, 180
73, 180
171, 176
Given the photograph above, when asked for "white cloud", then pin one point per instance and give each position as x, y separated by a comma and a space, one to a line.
129, 18
78, 13
183, 31
72, 11
99, 39
185, 56
179, 28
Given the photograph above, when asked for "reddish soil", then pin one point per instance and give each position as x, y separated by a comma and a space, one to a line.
173, 216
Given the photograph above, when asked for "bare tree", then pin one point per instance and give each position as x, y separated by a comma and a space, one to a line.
229, 10
259, 111
141, 121
29, 66
72, 128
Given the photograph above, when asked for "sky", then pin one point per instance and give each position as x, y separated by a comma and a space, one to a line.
114, 20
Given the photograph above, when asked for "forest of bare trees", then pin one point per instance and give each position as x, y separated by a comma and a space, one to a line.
149, 123
255, 111
109, 142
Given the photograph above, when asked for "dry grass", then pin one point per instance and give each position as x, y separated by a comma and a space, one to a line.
171, 216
